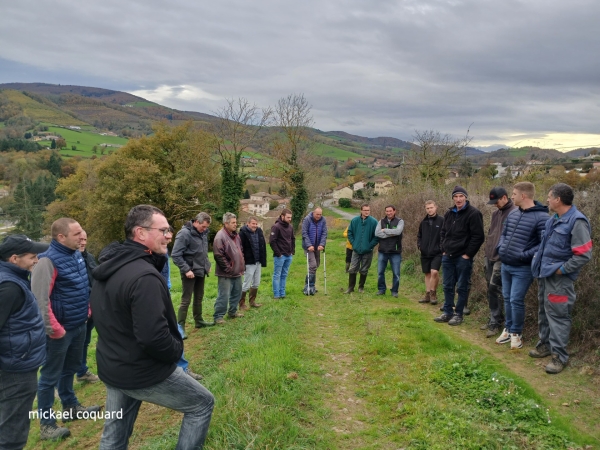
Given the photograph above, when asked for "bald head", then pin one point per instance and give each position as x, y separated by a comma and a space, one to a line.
317, 214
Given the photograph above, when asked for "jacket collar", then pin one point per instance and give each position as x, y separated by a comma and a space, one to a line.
61, 248
14, 269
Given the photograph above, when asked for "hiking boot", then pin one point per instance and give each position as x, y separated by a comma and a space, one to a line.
427, 298
380, 293
504, 337
433, 297
443, 318
253, 294
242, 304
53, 432
195, 376
555, 366
466, 311
456, 320
485, 326
220, 321
493, 330
236, 315
541, 351
395, 294
516, 341
75, 412
203, 324
89, 377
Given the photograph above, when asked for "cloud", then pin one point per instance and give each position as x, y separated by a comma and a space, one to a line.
384, 68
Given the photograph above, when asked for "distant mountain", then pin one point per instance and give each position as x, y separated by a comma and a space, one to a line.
378, 141
492, 148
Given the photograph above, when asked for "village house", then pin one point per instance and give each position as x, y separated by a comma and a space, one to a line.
342, 192
383, 186
358, 186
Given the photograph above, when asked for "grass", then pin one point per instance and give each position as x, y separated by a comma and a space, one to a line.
334, 152
84, 141
347, 372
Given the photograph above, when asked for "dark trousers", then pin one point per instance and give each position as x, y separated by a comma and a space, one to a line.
192, 286
17, 391
88, 338
493, 277
457, 274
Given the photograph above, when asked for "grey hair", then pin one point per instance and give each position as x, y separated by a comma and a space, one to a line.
203, 217
564, 192
228, 216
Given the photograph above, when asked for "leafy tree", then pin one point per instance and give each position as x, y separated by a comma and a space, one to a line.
273, 204
54, 164
246, 194
73, 147
27, 135
53, 144
29, 202
345, 202
61, 143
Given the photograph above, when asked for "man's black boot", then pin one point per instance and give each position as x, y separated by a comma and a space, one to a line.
361, 283
351, 283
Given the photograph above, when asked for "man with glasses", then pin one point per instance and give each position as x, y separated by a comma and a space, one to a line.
361, 234
139, 343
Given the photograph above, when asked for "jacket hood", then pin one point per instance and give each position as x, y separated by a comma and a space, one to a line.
282, 222
536, 207
115, 255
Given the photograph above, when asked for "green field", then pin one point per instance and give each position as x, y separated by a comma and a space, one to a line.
83, 140
518, 152
329, 151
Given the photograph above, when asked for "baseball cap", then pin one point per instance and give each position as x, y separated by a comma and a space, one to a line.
17, 244
496, 194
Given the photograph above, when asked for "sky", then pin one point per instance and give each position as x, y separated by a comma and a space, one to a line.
509, 72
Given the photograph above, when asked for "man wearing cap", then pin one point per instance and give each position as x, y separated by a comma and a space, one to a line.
493, 276
565, 248
60, 285
461, 237
22, 338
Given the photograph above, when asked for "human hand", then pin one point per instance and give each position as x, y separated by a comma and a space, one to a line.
311, 248
190, 274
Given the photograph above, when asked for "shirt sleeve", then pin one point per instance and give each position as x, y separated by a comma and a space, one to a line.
581, 246
42, 282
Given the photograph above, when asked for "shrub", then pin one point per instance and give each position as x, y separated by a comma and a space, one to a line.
345, 202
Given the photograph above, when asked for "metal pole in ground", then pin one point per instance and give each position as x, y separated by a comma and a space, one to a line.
325, 270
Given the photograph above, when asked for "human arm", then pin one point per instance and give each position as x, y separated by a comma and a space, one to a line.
389, 232
540, 226
273, 241
351, 232
181, 243
42, 281
13, 299
306, 243
323, 239
477, 234
379, 231
581, 246
220, 254
419, 235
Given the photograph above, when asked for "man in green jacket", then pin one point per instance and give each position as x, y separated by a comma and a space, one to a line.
361, 234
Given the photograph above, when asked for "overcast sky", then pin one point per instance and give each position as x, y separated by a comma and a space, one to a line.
522, 72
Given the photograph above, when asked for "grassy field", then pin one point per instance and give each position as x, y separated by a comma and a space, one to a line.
334, 152
358, 372
84, 141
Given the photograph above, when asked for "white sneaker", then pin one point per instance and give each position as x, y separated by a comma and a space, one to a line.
516, 341
504, 337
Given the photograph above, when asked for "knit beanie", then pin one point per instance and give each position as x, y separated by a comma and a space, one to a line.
459, 190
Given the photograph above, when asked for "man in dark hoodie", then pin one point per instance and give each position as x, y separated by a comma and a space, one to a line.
283, 244
504, 206
428, 243
190, 255
138, 340
461, 237
255, 257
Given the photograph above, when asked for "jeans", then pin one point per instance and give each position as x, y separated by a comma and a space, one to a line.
183, 363
63, 359
515, 283
17, 391
457, 274
281, 267
179, 392
493, 277
88, 338
230, 291
251, 277
395, 260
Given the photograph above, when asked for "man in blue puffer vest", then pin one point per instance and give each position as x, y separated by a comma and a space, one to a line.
60, 285
22, 339
565, 248
520, 239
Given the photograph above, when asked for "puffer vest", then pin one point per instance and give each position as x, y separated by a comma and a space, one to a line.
519, 240
392, 244
71, 292
22, 338
555, 248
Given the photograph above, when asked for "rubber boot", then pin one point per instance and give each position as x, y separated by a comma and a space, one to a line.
361, 283
253, 294
433, 297
242, 305
347, 267
181, 317
306, 290
351, 283
312, 278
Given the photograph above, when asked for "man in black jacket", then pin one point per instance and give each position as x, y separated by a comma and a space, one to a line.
138, 340
255, 256
283, 244
461, 237
428, 243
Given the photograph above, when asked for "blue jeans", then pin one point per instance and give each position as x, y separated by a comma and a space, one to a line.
230, 291
183, 363
395, 260
457, 273
281, 267
88, 338
179, 392
515, 284
17, 391
63, 359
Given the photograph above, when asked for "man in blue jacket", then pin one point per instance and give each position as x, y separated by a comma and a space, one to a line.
314, 238
22, 338
361, 234
518, 243
565, 248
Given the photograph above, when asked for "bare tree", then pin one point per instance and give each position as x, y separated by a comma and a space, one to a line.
432, 154
238, 129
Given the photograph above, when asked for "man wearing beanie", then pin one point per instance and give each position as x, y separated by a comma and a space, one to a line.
460, 239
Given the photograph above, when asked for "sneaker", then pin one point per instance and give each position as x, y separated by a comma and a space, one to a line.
220, 321
541, 351
380, 293
493, 330
456, 320
555, 366
516, 341
195, 376
53, 432
504, 337
443, 318
89, 377
74, 412
466, 311
237, 314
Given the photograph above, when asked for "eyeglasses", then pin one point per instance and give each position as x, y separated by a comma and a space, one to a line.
164, 231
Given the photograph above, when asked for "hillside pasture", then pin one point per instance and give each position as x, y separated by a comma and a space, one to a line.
329, 151
83, 140
40, 111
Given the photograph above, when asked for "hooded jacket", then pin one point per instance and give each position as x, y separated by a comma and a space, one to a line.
522, 234
428, 237
138, 340
361, 234
282, 240
190, 251
496, 226
462, 233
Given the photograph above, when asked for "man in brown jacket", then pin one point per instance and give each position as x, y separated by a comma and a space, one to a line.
227, 250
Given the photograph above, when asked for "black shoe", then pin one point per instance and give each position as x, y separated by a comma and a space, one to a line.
76, 412
443, 318
202, 324
485, 326
380, 293
456, 320
541, 351
466, 311
493, 330
395, 294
